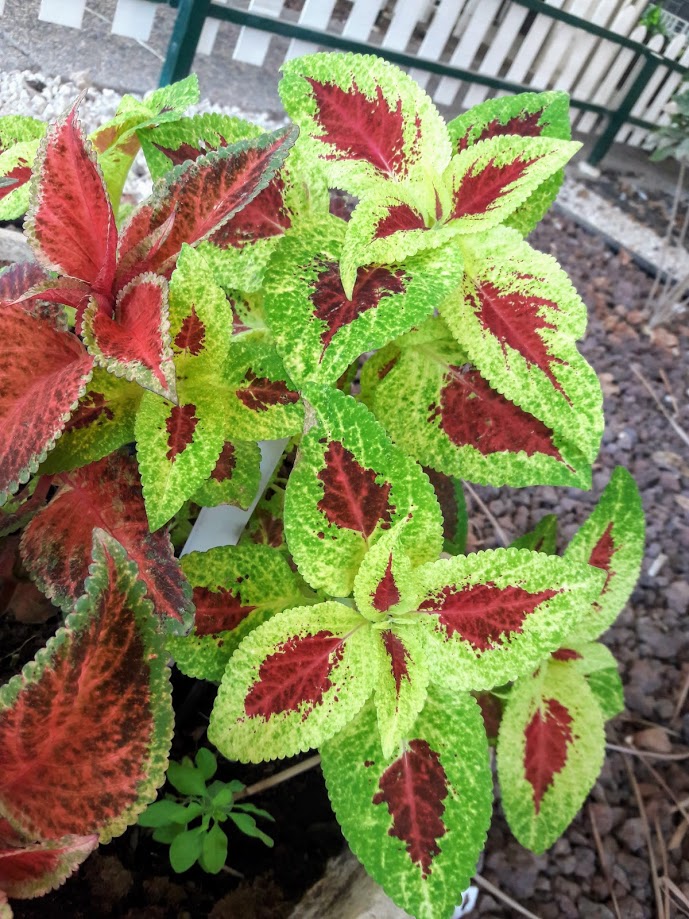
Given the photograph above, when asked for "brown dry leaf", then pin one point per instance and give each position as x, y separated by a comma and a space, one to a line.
608, 384
663, 338
683, 502
668, 460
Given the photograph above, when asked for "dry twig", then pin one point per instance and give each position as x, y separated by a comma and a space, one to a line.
496, 892
649, 843
647, 386
647, 754
484, 507
279, 777
603, 862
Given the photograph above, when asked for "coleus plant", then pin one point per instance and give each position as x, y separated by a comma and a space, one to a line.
239, 304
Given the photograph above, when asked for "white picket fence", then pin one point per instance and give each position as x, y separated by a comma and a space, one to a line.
497, 38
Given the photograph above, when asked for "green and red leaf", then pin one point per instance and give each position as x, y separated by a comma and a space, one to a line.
349, 485
518, 318
418, 817
365, 120
32, 870
195, 200
236, 589
543, 537
44, 373
56, 546
440, 409
97, 772
319, 327
294, 682
235, 478
495, 615
612, 539
70, 223
550, 750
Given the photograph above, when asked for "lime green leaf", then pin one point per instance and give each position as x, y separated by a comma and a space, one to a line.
16, 164
418, 818
206, 763
235, 589
293, 683
543, 537
611, 539
550, 750
235, 478
214, 852
443, 412
495, 615
349, 485
597, 663
186, 848
103, 422
367, 121
186, 778
247, 825
518, 318
161, 813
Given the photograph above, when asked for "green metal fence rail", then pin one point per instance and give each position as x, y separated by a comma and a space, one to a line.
193, 13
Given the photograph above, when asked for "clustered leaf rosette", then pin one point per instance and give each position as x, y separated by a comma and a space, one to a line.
237, 304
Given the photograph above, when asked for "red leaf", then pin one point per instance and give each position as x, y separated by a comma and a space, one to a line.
33, 870
192, 335
478, 191
186, 151
203, 196
268, 529
18, 279
603, 551
398, 657
181, 424
548, 735
72, 220
262, 393
15, 178
491, 712
399, 217
386, 593
226, 463
332, 305
91, 408
135, 334
76, 734
265, 216
297, 673
525, 124
472, 412
217, 611
413, 788
43, 373
56, 546
352, 498
483, 614
361, 127
515, 320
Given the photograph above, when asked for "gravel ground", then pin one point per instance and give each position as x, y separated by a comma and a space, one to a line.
651, 640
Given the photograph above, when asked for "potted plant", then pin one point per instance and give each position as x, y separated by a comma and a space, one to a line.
359, 286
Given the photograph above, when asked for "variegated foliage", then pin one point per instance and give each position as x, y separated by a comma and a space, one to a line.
238, 304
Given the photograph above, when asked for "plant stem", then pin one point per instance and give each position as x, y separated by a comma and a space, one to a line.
279, 777
668, 236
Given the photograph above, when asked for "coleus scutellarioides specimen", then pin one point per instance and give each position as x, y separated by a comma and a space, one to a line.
373, 649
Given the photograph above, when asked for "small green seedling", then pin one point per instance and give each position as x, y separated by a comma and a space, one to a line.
190, 821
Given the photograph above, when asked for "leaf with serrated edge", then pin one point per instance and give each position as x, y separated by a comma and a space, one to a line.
450, 494
169, 145
318, 328
43, 374
367, 121
102, 423
441, 411
235, 478
134, 342
597, 663
236, 589
34, 870
349, 485
495, 615
99, 773
551, 746
56, 546
71, 224
195, 199
385, 585
487, 182
417, 819
518, 318
528, 115
611, 539
293, 682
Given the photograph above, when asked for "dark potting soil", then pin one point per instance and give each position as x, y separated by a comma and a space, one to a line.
131, 877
